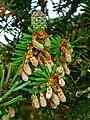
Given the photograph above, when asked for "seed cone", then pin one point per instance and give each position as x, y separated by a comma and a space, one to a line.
38, 20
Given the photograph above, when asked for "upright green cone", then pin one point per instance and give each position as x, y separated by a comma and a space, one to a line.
38, 20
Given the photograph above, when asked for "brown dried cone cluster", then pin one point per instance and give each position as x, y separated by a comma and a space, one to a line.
66, 57
53, 94
10, 113
33, 54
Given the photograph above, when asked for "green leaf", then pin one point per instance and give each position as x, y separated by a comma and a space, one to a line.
9, 91
24, 46
68, 116
30, 30
58, 39
19, 51
88, 96
16, 74
43, 85
82, 47
18, 54
17, 58
30, 90
2, 77
43, 89
53, 69
3, 112
37, 83
38, 79
53, 41
21, 48
69, 47
40, 74
27, 35
12, 101
55, 51
22, 86
9, 71
56, 57
47, 71
76, 58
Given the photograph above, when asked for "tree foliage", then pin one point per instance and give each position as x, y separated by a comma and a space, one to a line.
67, 32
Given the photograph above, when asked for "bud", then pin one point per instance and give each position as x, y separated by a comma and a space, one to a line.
63, 49
67, 70
48, 92
53, 105
37, 45
34, 61
60, 70
11, 111
63, 59
24, 76
68, 57
51, 62
47, 41
55, 99
61, 96
42, 100
51, 81
5, 117
29, 54
47, 55
35, 101
61, 82
27, 69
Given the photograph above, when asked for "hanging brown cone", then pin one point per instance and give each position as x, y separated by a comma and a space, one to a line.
62, 58
51, 81
39, 58
11, 111
68, 57
48, 92
55, 99
30, 52
47, 41
24, 76
27, 69
53, 105
5, 117
51, 62
37, 45
70, 51
35, 101
63, 49
34, 61
61, 82
60, 70
47, 55
43, 102
67, 70
61, 96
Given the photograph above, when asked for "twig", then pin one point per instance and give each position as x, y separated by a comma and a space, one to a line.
79, 93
